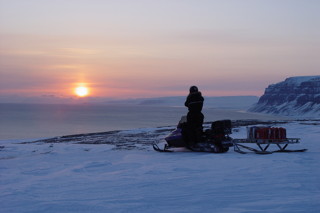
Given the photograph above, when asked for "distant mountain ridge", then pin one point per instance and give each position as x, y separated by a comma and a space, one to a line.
222, 102
219, 102
296, 96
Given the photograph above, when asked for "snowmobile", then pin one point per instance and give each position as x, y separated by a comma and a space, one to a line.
215, 139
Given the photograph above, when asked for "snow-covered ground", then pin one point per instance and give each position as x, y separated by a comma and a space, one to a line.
120, 172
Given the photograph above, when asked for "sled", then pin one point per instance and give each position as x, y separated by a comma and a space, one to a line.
264, 144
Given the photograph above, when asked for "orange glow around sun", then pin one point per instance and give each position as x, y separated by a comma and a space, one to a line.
82, 91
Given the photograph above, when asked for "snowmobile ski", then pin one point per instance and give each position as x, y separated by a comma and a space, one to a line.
158, 149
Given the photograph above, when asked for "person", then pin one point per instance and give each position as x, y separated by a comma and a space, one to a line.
193, 130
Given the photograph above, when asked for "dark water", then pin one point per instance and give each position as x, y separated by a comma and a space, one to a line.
26, 121
29, 121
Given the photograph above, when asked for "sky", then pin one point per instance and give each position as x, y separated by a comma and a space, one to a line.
148, 48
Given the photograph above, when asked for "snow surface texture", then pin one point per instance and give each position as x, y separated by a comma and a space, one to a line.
296, 96
119, 172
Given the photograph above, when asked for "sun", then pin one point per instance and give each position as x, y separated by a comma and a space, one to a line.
82, 91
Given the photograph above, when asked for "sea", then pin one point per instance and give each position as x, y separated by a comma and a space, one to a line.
37, 121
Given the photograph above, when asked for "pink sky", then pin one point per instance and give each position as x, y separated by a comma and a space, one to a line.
132, 49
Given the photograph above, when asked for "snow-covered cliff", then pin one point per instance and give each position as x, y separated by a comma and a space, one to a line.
296, 96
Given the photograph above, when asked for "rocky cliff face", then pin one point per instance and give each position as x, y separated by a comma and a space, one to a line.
296, 96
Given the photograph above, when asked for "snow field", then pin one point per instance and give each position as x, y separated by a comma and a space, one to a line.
67, 177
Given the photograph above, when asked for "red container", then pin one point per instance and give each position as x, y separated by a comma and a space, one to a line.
274, 133
262, 133
282, 133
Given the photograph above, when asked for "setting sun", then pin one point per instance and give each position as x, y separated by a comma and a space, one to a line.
82, 91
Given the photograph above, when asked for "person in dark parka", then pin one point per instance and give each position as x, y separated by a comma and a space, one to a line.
193, 131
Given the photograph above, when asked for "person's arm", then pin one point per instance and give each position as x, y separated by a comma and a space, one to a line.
186, 103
